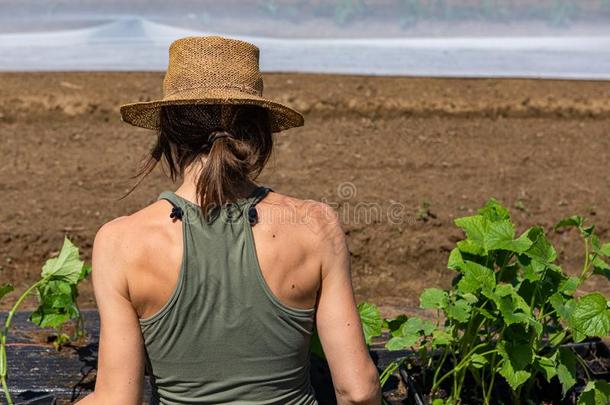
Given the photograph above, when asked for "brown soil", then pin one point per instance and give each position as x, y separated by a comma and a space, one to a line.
438, 148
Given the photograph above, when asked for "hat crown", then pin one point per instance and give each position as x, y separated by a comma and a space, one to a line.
212, 62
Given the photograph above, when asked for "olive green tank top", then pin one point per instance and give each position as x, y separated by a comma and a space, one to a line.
223, 337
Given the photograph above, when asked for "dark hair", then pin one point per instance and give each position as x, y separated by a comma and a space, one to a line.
236, 140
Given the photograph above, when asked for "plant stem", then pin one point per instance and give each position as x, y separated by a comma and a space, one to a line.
585, 267
493, 376
3, 335
439, 367
463, 363
584, 366
389, 370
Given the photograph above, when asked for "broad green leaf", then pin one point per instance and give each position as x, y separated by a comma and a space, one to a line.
476, 277
521, 244
513, 308
521, 355
500, 235
433, 298
515, 359
56, 304
415, 325
86, 270
591, 315
513, 377
475, 227
441, 337
455, 259
600, 263
428, 327
562, 306
555, 338
5, 288
470, 247
402, 342
494, 211
601, 267
371, 320
595, 393
484, 234
478, 361
541, 249
605, 249
547, 366
67, 266
50, 320
569, 285
504, 289
574, 221
395, 324
566, 369
315, 346
470, 298
532, 269
459, 310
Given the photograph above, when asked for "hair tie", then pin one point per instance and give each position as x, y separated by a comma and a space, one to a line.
216, 135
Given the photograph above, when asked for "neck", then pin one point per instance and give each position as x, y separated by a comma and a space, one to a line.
188, 188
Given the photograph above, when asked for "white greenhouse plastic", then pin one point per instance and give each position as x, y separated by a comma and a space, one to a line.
459, 38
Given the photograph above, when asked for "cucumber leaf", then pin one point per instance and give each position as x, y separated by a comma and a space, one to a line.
595, 393
433, 298
67, 266
371, 320
566, 369
591, 315
5, 288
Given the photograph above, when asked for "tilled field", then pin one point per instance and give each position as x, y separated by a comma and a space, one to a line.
399, 158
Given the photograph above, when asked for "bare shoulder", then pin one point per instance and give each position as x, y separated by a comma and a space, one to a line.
126, 241
315, 220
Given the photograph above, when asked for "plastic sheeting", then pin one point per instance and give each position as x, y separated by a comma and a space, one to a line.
83, 40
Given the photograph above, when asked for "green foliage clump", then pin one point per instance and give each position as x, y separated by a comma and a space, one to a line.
509, 312
57, 292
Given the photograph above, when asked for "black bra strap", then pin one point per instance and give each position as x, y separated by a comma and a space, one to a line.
255, 198
177, 210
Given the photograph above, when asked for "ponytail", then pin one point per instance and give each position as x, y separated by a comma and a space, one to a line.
234, 143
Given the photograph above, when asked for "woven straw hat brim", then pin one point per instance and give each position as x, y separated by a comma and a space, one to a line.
147, 114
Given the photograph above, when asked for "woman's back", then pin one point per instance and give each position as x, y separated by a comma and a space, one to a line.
245, 291
221, 303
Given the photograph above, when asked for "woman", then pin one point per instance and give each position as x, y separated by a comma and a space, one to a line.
216, 287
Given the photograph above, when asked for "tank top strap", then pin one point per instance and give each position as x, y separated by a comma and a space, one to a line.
178, 204
257, 195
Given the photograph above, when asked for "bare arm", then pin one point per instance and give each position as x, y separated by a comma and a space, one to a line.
354, 374
120, 370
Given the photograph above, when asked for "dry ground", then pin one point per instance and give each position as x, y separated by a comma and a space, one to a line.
399, 158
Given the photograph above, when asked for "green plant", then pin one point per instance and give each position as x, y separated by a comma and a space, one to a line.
423, 211
372, 323
57, 292
510, 309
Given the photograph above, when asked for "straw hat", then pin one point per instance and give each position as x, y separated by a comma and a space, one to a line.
211, 70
